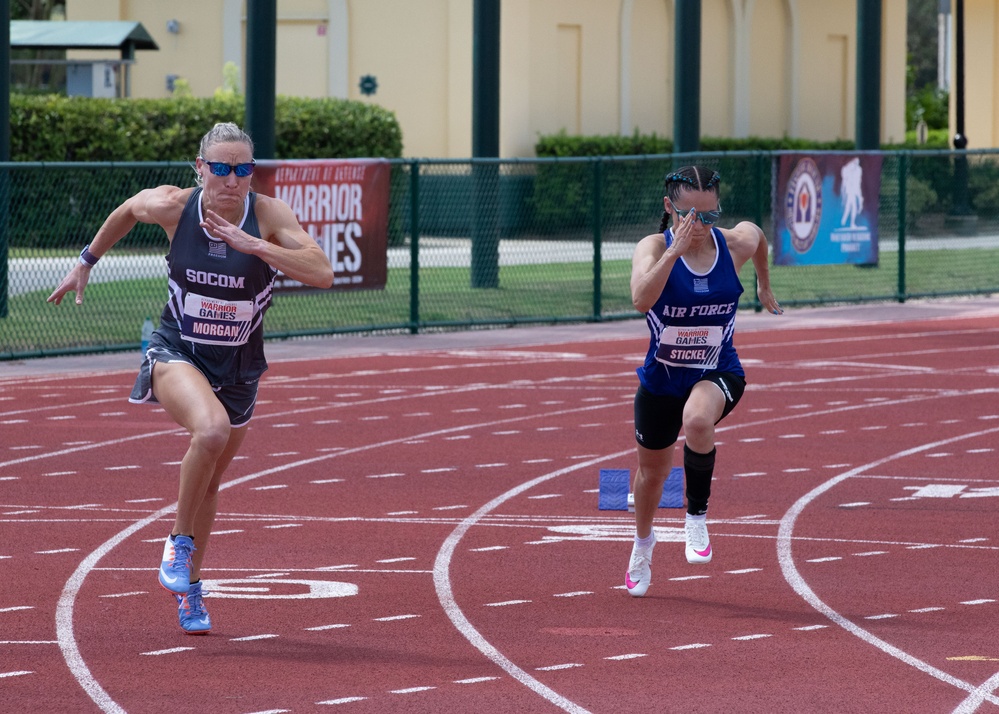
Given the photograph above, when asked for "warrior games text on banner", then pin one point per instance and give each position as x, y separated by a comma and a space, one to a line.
343, 204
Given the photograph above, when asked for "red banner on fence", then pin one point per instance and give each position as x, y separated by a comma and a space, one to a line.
343, 204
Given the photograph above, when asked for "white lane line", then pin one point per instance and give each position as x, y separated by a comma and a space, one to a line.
66, 605
475, 680
442, 583
343, 700
694, 646
20, 673
619, 658
556, 667
172, 650
446, 553
130, 594
979, 696
506, 603
785, 535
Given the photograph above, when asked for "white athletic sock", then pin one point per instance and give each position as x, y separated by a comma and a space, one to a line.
643, 542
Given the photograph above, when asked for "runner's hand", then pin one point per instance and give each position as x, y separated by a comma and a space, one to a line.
769, 302
682, 234
75, 281
220, 228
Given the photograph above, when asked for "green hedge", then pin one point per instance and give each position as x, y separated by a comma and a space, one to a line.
562, 197
47, 207
56, 128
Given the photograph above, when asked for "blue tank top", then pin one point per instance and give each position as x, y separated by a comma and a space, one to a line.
217, 298
692, 324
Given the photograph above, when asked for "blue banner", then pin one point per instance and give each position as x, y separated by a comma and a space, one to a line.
826, 209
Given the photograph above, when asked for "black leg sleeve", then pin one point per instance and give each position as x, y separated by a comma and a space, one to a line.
698, 469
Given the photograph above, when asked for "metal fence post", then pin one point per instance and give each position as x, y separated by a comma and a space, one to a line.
598, 220
903, 170
261, 73
757, 305
4, 239
414, 247
4, 150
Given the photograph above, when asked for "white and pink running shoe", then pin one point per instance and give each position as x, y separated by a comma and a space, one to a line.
638, 577
698, 544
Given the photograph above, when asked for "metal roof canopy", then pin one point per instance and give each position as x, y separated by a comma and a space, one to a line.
68, 35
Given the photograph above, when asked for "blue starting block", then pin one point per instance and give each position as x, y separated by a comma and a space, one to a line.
615, 486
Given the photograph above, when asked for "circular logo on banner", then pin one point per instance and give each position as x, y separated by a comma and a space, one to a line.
803, 204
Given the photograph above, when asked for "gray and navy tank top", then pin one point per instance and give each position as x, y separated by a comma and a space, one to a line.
218, 297
692, 324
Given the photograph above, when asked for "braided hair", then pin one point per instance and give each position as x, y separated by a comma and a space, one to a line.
688, 178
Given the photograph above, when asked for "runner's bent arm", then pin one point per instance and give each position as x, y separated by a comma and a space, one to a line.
162, 205
284, 246
650, 269
748, 241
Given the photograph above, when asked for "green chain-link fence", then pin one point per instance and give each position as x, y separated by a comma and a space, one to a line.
485, 243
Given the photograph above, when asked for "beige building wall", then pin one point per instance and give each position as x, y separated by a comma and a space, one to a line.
981, 73
769, 68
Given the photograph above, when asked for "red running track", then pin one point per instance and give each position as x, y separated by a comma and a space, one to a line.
413, 526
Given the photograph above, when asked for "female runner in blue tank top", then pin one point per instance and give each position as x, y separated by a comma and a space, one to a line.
205, 359
686, 281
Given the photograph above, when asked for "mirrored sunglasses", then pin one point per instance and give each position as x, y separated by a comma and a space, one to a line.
707, 217
219, 168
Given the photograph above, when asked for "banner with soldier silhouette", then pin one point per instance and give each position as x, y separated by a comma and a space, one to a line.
826, 209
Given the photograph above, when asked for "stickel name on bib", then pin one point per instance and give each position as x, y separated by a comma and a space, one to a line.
693, 347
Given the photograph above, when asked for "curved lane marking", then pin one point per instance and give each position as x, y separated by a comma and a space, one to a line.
67, 600
797, 582
65, 607
442, 583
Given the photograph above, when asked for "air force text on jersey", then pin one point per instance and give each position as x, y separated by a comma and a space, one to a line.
704, 310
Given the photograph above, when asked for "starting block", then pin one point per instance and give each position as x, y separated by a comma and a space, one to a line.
615, 490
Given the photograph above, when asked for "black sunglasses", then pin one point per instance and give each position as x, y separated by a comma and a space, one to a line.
219, 168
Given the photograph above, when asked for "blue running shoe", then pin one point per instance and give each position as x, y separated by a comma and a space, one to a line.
191, 610
175, 570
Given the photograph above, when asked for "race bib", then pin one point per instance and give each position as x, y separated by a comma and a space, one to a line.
216, 322
694, 347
